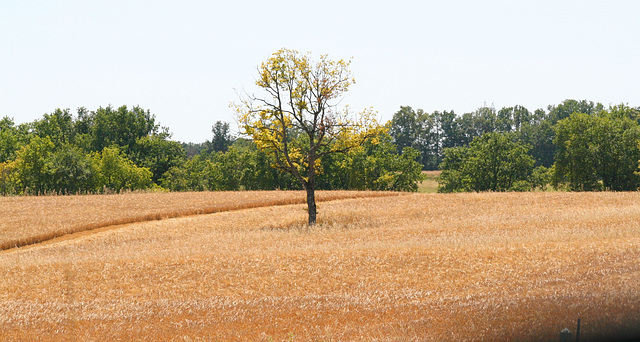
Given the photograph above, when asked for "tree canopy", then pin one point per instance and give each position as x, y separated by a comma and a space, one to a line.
58, 153
598, 152
582, 144
492, 162
298, 136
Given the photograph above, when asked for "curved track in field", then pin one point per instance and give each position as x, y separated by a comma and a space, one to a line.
83, 230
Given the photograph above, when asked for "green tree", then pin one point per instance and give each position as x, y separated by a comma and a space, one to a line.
492, 162
59, 126
448, 124
83, 126
419, 130
504, 120
577, 156
73, 171
117, 172
189, 176
226, 170
373, 166
193, 149
9, 143
623, 111
467, 129
157, 154
120, 127
222, 138
403, 172
540, 177
9, 179
298, 120
485, 120
597, 152
454, 176
540, 135
258, 173
512, 118
34, 165
570, 106
407, 127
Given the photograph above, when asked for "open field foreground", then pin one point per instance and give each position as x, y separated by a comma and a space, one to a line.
423, 267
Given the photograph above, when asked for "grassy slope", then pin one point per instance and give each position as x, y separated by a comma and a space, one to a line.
497, 267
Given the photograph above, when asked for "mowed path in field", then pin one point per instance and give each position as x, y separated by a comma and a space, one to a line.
30, 220
425, 267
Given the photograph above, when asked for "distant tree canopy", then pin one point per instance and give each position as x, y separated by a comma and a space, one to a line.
598, 152
431, 133
111, 150
122, 127
90, 152
575, 145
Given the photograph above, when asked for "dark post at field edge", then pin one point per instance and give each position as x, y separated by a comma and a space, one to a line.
565, 334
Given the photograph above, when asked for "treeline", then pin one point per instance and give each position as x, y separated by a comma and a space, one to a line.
115, 149
576, 145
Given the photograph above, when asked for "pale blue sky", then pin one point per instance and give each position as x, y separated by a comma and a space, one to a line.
183, 59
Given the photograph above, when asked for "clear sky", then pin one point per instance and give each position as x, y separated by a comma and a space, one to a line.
184, 60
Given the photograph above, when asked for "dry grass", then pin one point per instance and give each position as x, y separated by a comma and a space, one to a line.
458, 267
29, 220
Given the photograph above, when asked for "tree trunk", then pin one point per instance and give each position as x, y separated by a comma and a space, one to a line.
311, 187
311, 204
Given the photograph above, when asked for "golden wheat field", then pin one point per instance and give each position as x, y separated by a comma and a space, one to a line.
421, 267
27, 220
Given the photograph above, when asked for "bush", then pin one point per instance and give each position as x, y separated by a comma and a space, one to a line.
521, 186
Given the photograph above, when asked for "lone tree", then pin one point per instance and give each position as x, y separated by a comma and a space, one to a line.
297, 118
